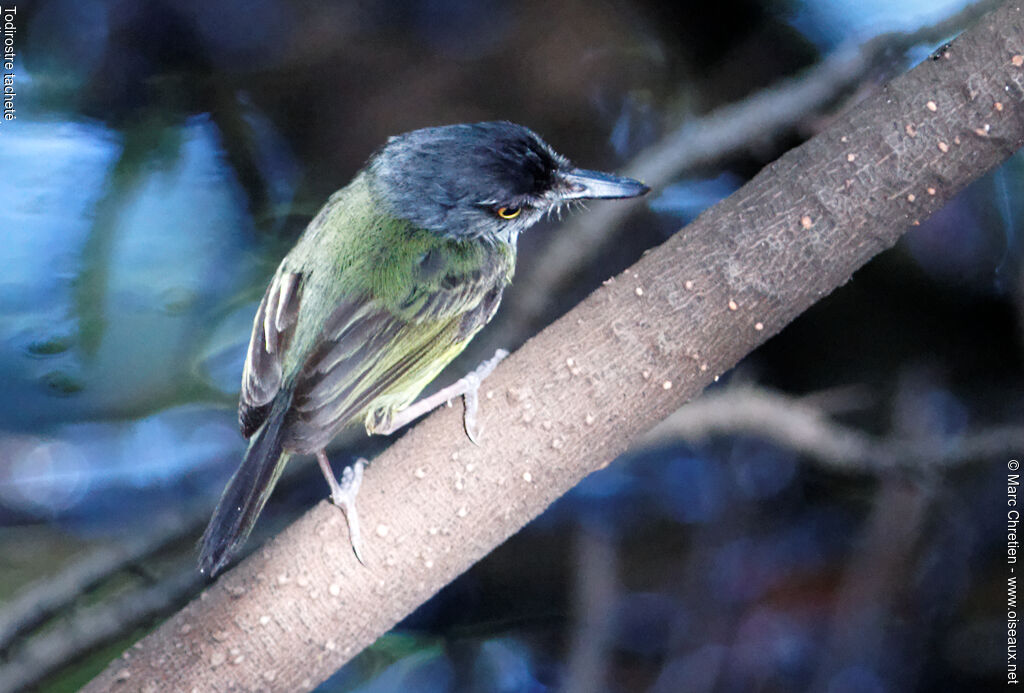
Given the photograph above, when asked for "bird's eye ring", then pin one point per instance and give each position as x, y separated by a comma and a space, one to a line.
509, 212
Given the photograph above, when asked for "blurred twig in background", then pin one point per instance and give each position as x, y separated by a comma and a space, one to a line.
95, 626
597, 586
790, 423
42, 600
885, 556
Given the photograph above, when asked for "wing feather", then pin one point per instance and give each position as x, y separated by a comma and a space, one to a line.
370, 356
272, 330
373, 357
343, 380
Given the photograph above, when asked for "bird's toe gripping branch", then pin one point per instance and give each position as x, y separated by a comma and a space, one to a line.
465, 387
344, 495
471, 384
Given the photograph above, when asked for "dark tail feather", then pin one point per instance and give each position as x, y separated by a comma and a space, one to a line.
246, 493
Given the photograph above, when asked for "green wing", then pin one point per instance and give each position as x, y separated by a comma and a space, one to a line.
370, 354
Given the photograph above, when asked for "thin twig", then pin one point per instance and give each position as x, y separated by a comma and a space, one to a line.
597, 587
97, 626
792, 424
45, 598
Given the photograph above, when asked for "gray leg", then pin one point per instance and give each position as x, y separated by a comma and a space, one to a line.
344, 494
466, 386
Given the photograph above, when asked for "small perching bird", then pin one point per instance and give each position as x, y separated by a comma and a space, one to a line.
390, 281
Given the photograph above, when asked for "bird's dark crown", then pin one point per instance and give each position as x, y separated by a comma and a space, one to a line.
454, 179
484, 180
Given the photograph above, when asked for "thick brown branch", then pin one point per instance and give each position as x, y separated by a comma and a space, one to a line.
576, 395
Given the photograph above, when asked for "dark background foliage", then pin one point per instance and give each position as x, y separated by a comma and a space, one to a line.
166, 155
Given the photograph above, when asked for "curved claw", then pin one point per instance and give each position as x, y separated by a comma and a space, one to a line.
470, 396
344, 496
469, 418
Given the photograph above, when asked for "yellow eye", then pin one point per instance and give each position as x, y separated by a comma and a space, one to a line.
509, 212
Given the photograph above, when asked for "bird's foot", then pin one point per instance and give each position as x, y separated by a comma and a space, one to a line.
466, 387
344, 495
470, 396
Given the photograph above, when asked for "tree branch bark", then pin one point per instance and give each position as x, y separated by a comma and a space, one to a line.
575, 396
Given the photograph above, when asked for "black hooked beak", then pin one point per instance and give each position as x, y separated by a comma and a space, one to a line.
580, 184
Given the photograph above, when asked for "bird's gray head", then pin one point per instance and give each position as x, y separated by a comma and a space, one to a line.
482, 180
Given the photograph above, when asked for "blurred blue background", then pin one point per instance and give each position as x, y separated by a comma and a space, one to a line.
166, 155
